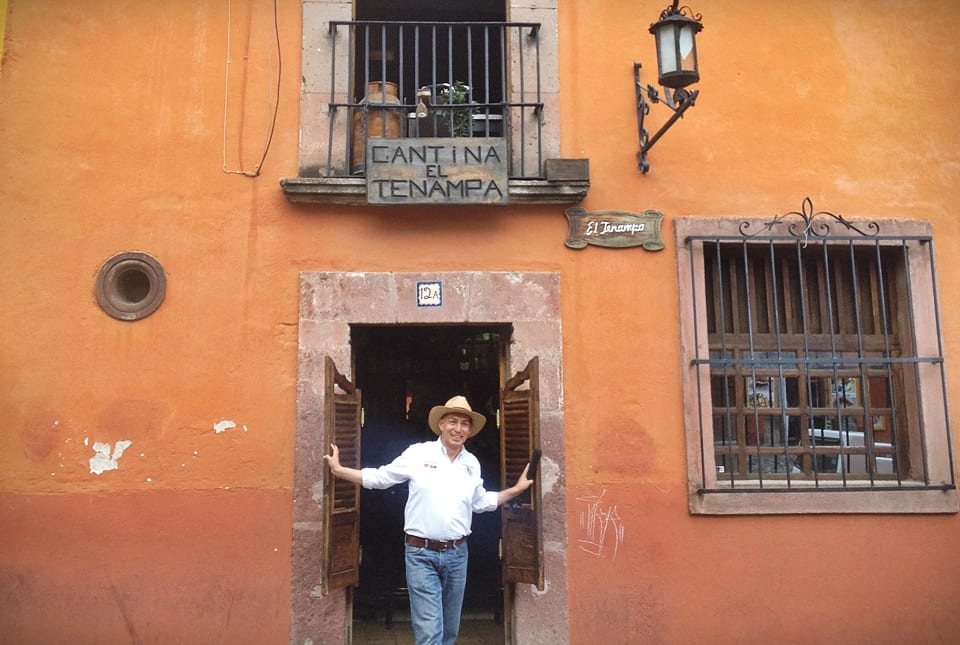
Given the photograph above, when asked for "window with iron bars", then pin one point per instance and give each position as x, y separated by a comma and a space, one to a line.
410, 79
815, 367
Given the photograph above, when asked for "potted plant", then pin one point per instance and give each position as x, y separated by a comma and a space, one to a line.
458, 119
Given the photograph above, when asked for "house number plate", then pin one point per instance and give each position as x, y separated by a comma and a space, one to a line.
430, 294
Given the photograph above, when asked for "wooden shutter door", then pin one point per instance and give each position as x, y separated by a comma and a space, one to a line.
521, 519
341, 499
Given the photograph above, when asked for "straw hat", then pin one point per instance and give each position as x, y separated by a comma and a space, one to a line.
459, 405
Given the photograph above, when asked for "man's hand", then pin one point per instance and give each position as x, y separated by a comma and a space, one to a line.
523, 483
333, 461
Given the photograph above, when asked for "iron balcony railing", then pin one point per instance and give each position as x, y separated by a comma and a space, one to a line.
400, 79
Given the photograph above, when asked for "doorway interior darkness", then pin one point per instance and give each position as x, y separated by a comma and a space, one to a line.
436, 10
403, 371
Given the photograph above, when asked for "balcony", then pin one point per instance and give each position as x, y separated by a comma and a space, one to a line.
473, 83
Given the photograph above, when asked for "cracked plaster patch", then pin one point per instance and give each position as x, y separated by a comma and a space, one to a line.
226, 424
549, 474
102, 460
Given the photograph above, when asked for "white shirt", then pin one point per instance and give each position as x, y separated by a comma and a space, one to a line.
443, 496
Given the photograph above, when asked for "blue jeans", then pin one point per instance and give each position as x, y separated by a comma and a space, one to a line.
435, 582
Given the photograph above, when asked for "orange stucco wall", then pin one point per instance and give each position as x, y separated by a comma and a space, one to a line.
114, 136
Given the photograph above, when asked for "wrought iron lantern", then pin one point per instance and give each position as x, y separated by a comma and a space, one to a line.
676, 36
677, 67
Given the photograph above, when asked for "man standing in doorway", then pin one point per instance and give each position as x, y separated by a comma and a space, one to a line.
445, 491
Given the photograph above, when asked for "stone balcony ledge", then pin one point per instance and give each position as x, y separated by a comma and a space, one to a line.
566, 182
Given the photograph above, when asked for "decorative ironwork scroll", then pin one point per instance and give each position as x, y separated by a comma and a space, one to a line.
674, 10
815, 223
614, 229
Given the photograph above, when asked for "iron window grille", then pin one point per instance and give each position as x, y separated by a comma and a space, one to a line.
815, 369
479, 79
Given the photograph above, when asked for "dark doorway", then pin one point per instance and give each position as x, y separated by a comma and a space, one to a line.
402, 372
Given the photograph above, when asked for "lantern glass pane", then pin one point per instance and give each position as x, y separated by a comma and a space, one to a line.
688, 61
666, 48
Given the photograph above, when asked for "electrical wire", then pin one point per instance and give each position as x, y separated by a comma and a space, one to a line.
276, 103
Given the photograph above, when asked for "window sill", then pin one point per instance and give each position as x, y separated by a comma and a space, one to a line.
779, 501
353, 190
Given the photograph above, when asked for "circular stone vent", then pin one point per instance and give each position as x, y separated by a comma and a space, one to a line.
130, 286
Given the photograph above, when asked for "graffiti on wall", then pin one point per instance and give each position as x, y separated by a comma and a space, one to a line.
602, 527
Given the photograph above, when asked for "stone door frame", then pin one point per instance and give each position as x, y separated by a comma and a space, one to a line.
330, 302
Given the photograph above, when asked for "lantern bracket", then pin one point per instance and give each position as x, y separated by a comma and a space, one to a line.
678, 100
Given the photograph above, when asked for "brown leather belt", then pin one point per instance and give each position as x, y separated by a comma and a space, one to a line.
433, 545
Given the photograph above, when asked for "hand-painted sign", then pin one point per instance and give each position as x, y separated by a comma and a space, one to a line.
442, 171
614, 229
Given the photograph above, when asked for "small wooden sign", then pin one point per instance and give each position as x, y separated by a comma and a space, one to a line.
614, 229
441, 171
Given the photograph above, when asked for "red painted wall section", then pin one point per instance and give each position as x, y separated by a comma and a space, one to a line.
145, 567
673, 579
117, 123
